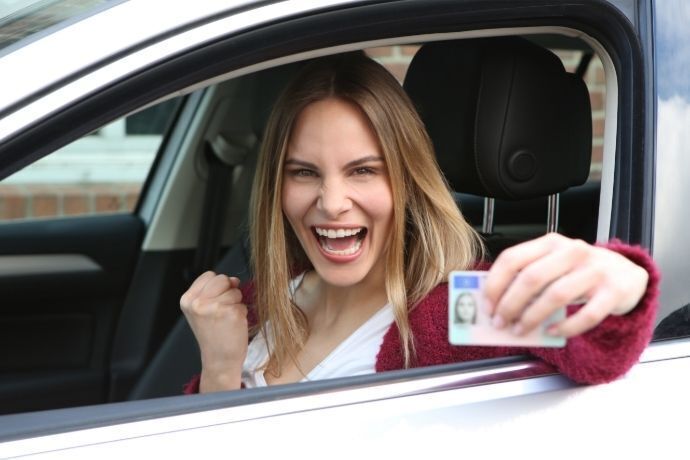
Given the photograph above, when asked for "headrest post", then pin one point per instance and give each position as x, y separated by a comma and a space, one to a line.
488, 221
552, 216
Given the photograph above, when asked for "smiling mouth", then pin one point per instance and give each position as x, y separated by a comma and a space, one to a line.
341, 241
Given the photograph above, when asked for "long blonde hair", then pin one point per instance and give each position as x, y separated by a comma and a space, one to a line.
429, 238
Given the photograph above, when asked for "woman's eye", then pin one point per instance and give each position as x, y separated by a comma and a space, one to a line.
363, 171
302, 172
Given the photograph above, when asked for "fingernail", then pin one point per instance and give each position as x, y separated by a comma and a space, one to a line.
498, 322
518, 329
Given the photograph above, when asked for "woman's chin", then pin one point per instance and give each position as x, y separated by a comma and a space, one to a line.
339, 277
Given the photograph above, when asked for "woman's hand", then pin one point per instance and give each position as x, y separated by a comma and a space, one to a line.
530, 281
214, 309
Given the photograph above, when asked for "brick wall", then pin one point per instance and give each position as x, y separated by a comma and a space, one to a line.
20, 201
44, 200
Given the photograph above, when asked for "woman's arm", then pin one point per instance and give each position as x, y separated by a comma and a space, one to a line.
601, 354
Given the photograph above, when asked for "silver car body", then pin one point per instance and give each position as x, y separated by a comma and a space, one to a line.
487, 410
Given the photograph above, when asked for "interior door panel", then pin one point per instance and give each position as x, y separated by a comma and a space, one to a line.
62, 282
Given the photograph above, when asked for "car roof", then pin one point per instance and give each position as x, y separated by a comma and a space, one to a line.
119, 29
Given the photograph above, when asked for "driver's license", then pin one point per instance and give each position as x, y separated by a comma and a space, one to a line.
470, 324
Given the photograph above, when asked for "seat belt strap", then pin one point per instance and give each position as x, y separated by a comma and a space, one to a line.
222, 157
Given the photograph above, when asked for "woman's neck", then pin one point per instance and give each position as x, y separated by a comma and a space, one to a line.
327, 305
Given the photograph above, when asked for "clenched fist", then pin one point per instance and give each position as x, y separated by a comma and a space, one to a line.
214, 309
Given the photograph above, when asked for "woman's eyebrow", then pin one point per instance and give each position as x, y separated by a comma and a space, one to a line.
306, 164
363, 160
357, 162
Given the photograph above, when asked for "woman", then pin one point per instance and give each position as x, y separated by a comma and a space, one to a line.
465, 309
353, 235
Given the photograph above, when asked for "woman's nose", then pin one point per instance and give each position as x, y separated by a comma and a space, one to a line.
333, 199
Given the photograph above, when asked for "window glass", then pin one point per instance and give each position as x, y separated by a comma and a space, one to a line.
22, 18
672, 63
99, 173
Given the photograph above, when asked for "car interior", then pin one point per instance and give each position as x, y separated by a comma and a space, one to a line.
481, 86
531, 178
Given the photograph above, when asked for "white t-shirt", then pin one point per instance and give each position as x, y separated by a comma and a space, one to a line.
356, 355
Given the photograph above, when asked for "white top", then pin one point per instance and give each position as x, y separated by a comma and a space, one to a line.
356, 355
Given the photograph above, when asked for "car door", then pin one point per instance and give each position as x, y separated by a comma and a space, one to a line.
414, 405
72, 226
70, 239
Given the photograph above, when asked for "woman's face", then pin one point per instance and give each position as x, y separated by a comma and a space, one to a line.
337, 194
465, 308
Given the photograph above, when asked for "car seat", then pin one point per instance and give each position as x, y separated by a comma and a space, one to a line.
507, 121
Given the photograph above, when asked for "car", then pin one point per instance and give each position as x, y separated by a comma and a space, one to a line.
128, 137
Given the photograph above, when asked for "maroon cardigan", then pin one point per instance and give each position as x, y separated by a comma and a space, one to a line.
600, 355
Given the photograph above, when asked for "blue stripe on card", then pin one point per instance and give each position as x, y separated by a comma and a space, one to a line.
466, 282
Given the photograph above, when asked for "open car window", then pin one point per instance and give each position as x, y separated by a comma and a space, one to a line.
229, 113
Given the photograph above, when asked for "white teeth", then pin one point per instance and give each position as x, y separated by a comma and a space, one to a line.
332, 233
339, 233
345, 252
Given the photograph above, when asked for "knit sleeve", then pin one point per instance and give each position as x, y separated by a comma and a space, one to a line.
600, 355
192, 386
609, 350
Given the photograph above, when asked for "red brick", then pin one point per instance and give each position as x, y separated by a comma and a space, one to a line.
74, 204
597, 154
598, 127
9, 189
107, 202
13, 206
409, 50
131, 199
597, 100
44, 205
382, 51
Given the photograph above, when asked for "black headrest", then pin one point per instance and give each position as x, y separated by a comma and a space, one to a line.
507, 121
